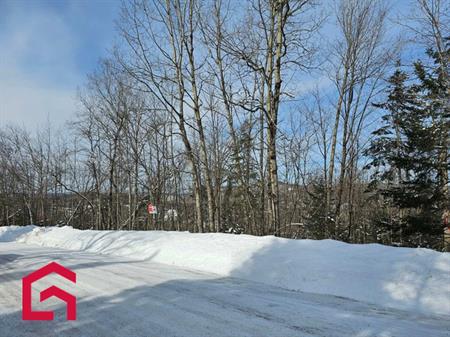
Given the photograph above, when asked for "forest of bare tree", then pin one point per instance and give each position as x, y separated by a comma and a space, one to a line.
295, 118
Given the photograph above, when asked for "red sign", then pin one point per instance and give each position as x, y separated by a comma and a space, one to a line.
151, 209
71, 301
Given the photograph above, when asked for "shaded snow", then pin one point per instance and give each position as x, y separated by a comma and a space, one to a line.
403, 278
12, 233
119, 297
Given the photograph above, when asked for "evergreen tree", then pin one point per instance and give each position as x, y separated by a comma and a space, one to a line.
409, 153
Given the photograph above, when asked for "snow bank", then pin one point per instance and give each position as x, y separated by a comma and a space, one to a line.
13, 233
404, 278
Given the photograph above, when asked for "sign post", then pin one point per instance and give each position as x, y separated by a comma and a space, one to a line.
152, 211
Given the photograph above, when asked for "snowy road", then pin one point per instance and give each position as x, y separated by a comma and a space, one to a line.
121, 297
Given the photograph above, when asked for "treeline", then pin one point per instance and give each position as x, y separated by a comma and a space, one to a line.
206, 109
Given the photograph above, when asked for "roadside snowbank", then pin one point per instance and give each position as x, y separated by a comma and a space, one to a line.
404, 278
12, 233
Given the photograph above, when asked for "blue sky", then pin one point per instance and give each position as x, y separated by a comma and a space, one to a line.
47, 48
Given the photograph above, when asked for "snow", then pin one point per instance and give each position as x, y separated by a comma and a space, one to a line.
118, 296
11, 233
403, 278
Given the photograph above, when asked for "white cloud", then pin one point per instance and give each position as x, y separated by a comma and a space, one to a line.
306, 84
31, 105
38, 72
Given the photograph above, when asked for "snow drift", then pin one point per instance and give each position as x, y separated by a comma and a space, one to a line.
405, 278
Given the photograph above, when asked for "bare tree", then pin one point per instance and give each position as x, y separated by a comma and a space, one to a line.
361, 60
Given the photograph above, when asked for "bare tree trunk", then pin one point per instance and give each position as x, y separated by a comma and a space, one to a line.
188, 40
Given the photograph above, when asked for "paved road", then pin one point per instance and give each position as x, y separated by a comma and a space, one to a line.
121, 297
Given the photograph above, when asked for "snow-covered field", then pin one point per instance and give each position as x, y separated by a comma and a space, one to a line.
415, 280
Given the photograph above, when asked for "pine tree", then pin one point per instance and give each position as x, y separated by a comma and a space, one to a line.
409, 153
